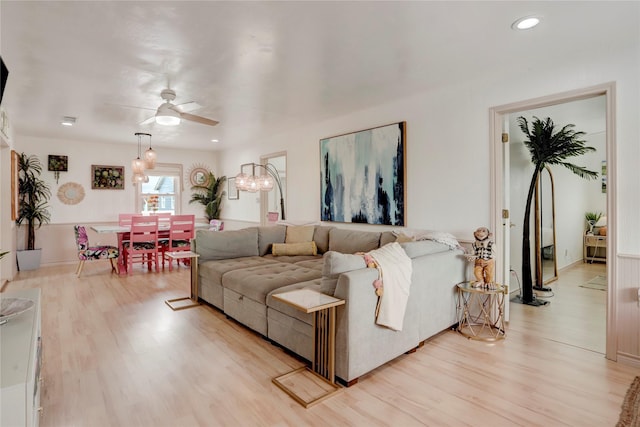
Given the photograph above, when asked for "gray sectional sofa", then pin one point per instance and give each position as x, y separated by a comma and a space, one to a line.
239, 273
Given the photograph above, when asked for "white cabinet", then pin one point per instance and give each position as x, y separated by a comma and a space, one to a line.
20, 361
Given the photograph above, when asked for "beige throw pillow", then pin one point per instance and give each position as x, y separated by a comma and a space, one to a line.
302, 248
299, 233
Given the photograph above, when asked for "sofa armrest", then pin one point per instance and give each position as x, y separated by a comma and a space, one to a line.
361, 344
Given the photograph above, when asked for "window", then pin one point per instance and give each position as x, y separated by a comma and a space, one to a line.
162, 193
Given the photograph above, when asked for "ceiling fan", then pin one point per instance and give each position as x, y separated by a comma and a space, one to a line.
170, 114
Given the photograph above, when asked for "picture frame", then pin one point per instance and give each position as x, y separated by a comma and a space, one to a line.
56, 163
232, 191
363, 176
107, 177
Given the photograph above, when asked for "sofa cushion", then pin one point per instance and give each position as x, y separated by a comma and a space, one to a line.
288, 309
317, 263
302, 248
423, 247
352, 241
299, 233
293, 259
213, 270
227, 244
336, 263
268, 235
321, 237
256, 282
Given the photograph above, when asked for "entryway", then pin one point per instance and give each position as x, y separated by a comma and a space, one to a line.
575, 275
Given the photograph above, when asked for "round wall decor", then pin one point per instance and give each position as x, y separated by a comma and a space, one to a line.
71, 193
199, 175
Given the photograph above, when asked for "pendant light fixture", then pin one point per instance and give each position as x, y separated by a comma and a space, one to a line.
138, 165
150, 156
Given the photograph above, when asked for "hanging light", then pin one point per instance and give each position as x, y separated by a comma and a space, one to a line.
265, 182
241, 181
138, 164
150, 156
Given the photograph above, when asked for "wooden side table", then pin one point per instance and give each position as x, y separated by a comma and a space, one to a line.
311, 386
594, 248
175, 303
481, 312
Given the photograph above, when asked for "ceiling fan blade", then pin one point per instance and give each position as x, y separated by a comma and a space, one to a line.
149, 120
130, 106
187, 107
198, 119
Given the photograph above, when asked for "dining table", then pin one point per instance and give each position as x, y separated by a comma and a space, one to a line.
122, 232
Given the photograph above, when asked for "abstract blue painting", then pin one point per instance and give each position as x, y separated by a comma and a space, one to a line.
362, 176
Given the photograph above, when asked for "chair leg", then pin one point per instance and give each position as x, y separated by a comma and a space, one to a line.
79, 268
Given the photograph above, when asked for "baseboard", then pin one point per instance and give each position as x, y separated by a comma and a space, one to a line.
629, 359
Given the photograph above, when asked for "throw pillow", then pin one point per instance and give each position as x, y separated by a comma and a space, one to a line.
334, 264
303, 248
403, 238
299, 234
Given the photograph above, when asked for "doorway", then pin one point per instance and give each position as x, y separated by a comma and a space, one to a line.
500, 192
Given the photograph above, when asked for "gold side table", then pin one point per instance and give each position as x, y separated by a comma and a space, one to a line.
481, 311
311, 386
176, 303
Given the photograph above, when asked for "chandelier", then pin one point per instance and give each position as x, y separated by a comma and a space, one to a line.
143, 162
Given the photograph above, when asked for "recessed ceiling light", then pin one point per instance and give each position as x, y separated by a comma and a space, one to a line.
68, 121
214, 140
526, 23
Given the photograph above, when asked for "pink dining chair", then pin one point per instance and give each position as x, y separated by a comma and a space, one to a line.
181, 231
143, 246
124, 219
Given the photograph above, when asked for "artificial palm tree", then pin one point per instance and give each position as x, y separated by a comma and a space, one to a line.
33, 194
547, 147
210, 195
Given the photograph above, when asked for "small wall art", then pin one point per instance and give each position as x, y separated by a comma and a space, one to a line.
362, 176
107, 177
57, 164
232, 191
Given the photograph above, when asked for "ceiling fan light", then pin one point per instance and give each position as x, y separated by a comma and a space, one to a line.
167, 116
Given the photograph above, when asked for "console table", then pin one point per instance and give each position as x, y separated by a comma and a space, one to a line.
311, 386
20, 357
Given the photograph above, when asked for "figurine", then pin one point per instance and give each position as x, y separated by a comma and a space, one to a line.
483, 258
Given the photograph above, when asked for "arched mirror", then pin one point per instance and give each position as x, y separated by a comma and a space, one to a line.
545, 231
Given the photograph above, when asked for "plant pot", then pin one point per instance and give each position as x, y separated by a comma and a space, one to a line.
29, 260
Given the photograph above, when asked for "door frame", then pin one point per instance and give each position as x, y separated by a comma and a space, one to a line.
496, 118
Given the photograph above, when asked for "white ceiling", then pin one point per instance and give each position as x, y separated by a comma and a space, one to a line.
263, 67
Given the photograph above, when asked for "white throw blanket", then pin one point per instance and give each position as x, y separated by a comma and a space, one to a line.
395, 271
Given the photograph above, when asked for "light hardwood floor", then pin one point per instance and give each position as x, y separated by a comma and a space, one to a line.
116, 355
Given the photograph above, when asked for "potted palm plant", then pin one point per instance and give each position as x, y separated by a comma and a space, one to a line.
547, 147
210, 195
33, 198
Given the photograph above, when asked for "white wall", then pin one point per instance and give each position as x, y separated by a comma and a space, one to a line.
448, 179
